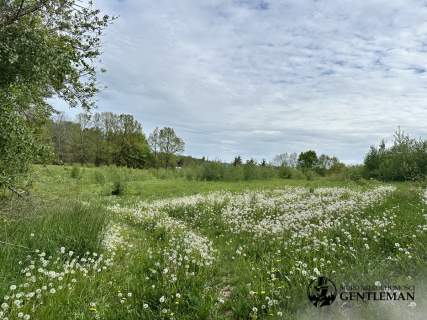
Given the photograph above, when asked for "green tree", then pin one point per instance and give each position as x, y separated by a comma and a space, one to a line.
47, 48
154, 142
326, 163
169, 144
237, 161
132, 149
307, 159
406, 159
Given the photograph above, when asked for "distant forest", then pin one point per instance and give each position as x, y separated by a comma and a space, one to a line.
107, 138
112, 139
118, 139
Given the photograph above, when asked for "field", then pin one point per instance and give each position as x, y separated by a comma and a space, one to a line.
176, 249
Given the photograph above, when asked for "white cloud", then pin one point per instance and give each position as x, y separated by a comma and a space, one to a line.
261, 77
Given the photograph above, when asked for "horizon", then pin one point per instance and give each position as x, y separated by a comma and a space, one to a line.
73, 118
258, 78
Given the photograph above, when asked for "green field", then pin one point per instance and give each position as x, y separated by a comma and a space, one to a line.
169, 248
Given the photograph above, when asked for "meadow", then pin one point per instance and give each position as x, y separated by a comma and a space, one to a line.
117, 243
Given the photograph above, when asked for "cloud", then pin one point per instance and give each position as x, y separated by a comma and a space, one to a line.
258, 78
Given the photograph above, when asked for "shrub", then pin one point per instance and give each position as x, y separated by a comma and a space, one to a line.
406, 159
310, 174
290, 173
268, 172
234, 173
118, 188
75, 172
212, 171
192, 173
285, 172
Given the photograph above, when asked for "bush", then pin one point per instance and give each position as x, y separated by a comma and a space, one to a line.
234, 173
212, 171
165, 174
192, 173
75, 172
405, 160
118, 188
250, 171
290, 173
310, 174
217, 171
285, 172
352, 173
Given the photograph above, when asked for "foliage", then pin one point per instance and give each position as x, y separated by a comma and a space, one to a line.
237, 161
47, 48
118, 188
65, 223
154, 142
103, 138
169, 145
307, 160
406, 159
326, 164
18, 145
75, 172
286, 159
165, 145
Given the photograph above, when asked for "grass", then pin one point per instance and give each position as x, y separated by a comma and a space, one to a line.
139, 255
68, 224
52, 182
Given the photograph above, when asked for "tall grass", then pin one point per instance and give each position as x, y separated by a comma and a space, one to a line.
73, 225
215, 171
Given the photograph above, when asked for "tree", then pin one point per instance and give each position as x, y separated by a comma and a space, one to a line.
286, 159
132, 149
104, 138
47, 48
154, 142
307, 159
83, 120
98, 139
17, 147
406, 159
169, 144
237, 161
326, 163
59, 135
251, 162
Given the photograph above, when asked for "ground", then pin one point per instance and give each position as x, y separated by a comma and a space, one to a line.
177, 249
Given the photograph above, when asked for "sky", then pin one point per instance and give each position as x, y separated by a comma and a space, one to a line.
258, 78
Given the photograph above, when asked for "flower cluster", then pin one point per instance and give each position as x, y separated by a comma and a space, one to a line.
46, 276
278, 240
113, 237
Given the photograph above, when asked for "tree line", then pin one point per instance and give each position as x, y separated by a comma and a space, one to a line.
111, 139
309, 161
107, 138
405, 159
